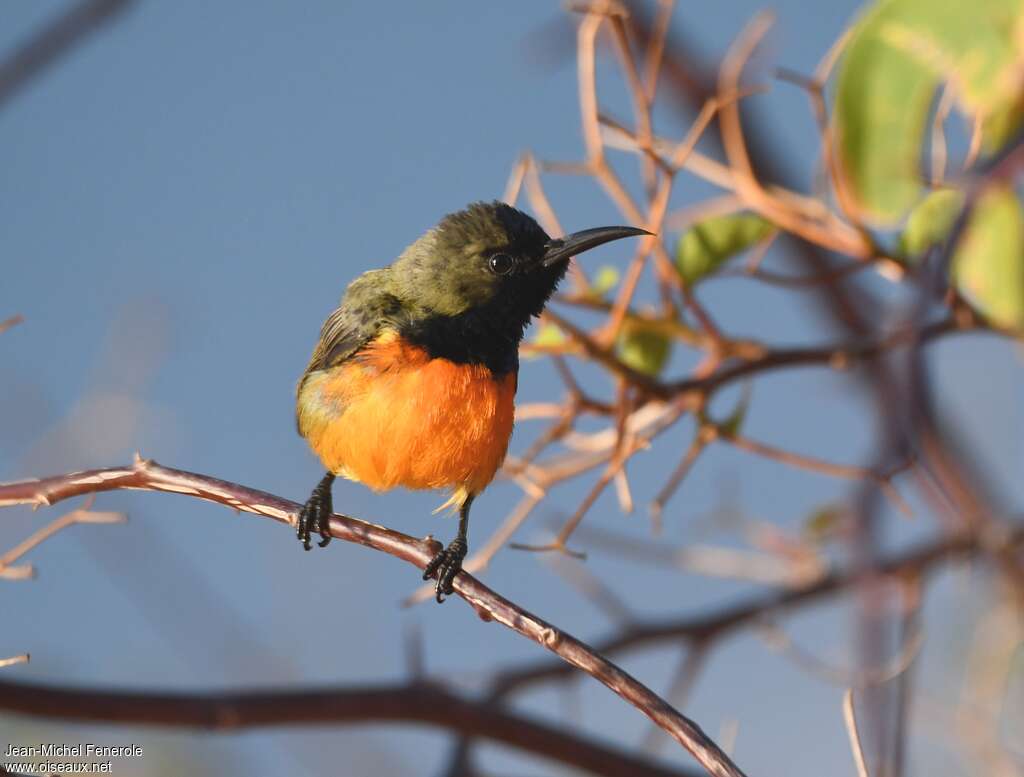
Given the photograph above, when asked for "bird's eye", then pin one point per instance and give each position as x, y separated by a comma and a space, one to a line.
501, 264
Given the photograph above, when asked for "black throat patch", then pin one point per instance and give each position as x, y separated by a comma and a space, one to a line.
468, 338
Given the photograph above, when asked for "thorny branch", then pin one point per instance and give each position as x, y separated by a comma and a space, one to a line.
490, 606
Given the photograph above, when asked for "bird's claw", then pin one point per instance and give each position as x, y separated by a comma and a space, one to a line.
446, 565
315, 516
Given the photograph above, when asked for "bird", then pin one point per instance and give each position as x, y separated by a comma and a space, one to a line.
413, 380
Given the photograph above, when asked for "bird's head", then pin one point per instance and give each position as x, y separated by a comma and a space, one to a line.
493, 259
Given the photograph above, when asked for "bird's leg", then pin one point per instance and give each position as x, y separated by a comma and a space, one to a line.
316, 513
448, 563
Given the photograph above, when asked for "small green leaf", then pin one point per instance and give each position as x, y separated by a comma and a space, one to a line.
549, 335
824, 522
1000, 125
605, 280
929, 223
644, 349
708, 245
989, 263
731, 425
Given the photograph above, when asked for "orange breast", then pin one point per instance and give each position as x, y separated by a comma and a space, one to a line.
393, 416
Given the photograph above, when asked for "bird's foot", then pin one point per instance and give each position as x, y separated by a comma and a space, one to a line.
446, 565
315, 515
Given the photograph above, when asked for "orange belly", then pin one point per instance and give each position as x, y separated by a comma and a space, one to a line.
393, 416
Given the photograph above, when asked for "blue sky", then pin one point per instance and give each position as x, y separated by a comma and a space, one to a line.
183, 200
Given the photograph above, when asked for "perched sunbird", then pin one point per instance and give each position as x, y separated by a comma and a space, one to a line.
413, 380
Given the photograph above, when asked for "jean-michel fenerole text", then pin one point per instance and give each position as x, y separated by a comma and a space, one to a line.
86, 750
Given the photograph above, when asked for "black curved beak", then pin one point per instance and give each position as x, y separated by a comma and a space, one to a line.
563, 247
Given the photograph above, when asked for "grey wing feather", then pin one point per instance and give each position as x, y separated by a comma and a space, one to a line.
343, 333
365, 310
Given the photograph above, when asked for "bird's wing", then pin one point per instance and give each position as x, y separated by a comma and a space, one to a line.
365, 311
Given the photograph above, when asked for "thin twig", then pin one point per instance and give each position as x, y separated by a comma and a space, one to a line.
657, 507
851, 728
778, 640
515, 180
709, 560
882, 479
592, 588
22, 659
82, 515
8, 323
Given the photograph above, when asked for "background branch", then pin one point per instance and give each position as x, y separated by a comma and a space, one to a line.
719, 622
422, 703
55, 40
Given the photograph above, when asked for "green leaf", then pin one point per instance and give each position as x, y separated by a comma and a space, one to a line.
644, 349
898, 54
989, 263
824, 522
549, 335
708, 245
1001, 124
929, 223
731, 425
605, 280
